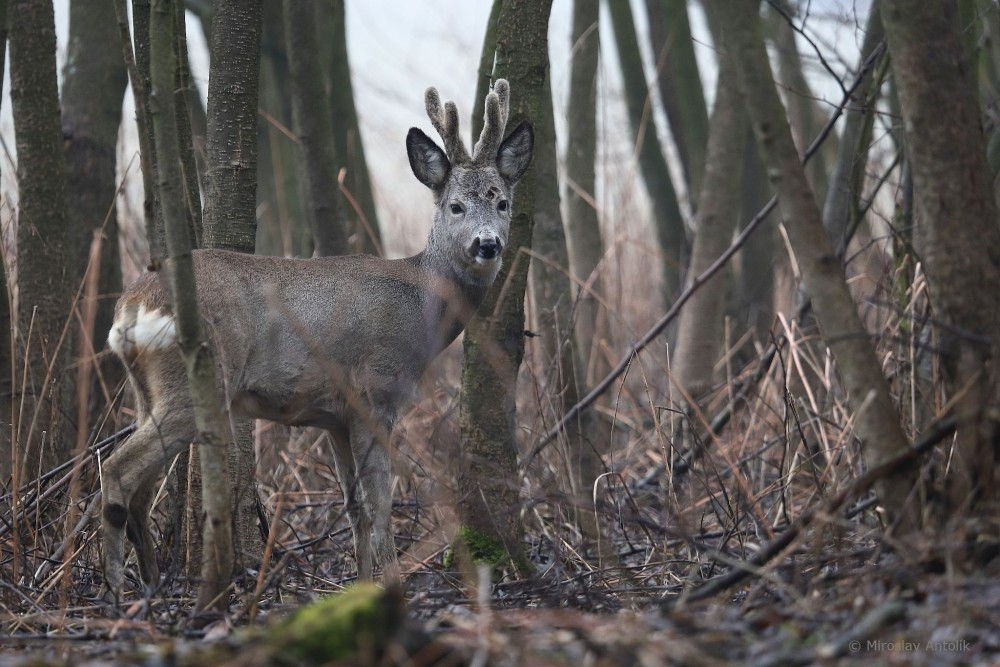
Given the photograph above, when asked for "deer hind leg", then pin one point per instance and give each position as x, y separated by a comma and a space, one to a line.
375, 483
126, 477
138, 533
357, 516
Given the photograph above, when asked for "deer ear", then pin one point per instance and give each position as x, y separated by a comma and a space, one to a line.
514, 154
429, 163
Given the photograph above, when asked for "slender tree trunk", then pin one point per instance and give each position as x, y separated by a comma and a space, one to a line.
147, 145
7, 355
852, 151
217, 559
553, 295
762, 260
93, 89
700, 332
584, 243
876, 420
960, 253
489, 485
583, 230
484, 73
283, 221
229, 216
680, 85
182, 94
666, 213
804, 114
47, 248
312, 122
361, 213
232, 126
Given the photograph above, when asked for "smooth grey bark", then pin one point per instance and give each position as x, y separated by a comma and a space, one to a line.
667, 218
47, 254
700, 331
584, 244
805, 115
217, 553
488, 483
283, 227
847, 180
762, 259
583, 230
7, 355
183, 92
681, 90
960, 253
359, 209
876, 419
312, 124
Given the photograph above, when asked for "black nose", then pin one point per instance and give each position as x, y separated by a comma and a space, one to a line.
487, 248
490, 248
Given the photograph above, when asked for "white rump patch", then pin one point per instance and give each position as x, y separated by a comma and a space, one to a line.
137, 330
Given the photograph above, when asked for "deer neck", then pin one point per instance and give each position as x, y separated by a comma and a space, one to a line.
455, 291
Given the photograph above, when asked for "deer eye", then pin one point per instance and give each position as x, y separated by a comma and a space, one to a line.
456, 209
502, 205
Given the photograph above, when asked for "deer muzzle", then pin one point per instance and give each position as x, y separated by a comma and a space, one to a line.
486, 248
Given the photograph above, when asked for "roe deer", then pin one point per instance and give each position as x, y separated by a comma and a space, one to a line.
333, 342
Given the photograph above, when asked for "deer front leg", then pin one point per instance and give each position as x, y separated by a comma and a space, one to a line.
138, 533
359, 519
125, 479
375, 482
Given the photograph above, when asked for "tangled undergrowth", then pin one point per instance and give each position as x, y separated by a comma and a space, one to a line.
761, 544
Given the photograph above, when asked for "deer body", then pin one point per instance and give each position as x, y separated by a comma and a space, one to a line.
334, 342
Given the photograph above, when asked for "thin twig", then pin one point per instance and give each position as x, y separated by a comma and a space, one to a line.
701, 279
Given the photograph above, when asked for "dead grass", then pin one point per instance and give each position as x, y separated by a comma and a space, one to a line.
634, 594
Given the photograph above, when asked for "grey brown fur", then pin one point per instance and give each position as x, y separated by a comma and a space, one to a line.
335, 342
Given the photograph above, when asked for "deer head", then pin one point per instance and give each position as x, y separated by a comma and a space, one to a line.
472, 194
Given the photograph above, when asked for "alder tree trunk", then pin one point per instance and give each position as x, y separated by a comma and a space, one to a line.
667, 218
47, 248
583, 229
804, 113
956, 234
217, 544
586, 248
359, 209
700, 331
7, 355
93, 89
489, 480
231, 181
312, 123
283, 226
681, 90
229, 216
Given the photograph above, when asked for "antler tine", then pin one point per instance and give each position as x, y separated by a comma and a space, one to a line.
495, 121
502, 89
445, 121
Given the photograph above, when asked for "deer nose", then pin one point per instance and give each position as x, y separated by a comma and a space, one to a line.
487, 248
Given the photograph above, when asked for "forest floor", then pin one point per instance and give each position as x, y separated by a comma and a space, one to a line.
769, 550
835, 595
